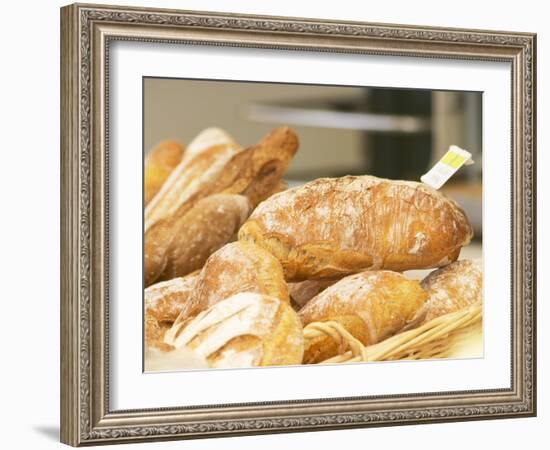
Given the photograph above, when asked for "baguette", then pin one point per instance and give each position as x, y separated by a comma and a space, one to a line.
158, 165
207, 226
254, 172
245, 330
240, 267
207, 138
452, 288
371, 305
332, 227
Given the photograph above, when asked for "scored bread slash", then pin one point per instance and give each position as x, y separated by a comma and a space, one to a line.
447, 166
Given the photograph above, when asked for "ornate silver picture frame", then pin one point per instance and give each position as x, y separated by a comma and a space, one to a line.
87, 32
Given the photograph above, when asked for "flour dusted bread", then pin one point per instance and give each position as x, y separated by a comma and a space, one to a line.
190, 181
211, 223
302, 292
371, 305
235, 268
158, 165
245, 330
331, 227
207, 138
254, 172
240, 267
452, 288
163, 303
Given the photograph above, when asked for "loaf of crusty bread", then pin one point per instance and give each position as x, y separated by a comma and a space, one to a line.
245, 330
211, 223
452, 288
190, 181
240, 267
234, 268
152, 330
158, 165
163, 303
371, 305
302, 292
331, 227
165, 300
254, 173
207, 138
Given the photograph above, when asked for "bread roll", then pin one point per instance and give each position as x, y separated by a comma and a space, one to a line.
240, 267
452, 288
235, 268
254, 172
245, 330
207, 226
164, 301
371, 305
158, 165
331, 227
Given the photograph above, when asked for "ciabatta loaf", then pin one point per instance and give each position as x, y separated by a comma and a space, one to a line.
245, 330
331, 227
452, 288
371, 305
210, 224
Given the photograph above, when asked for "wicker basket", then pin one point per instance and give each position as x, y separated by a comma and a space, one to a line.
439, 338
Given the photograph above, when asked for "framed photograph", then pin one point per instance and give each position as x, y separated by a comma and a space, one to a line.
277, 224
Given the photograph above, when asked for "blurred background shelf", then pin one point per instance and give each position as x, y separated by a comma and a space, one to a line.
390, 133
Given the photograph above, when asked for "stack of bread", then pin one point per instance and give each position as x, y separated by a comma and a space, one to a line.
239, 270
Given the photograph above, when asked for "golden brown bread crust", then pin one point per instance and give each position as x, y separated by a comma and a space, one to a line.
209, 137
211, 223
164, 301
190, 181
235, 268
371, 305
452, 288
176, 197
254, 172
240, 267
245, 330
336, 226
163, 304
158, 165
302, 292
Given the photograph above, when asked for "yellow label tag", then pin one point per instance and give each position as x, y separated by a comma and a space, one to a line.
453, 159
447, 166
